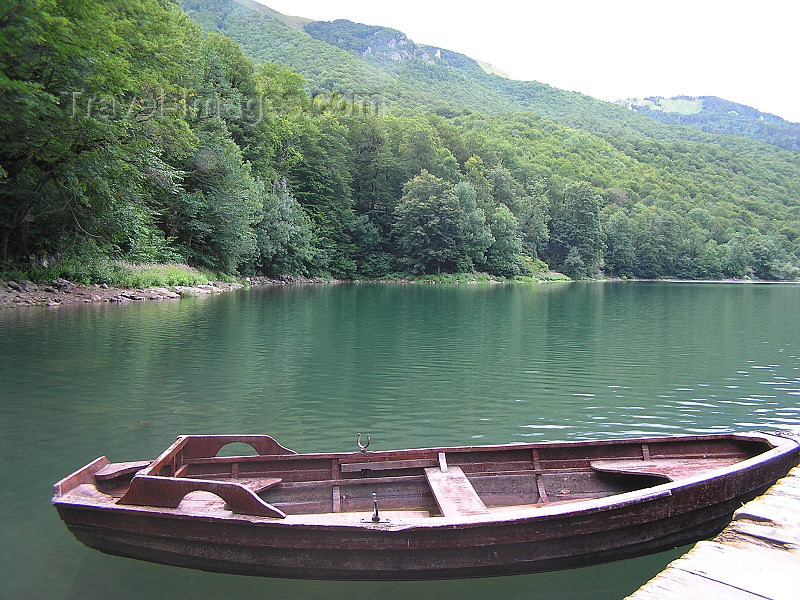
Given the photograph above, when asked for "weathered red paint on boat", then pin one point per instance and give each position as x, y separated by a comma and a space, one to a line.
546, 536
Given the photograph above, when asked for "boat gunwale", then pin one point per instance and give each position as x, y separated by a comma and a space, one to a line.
379, 455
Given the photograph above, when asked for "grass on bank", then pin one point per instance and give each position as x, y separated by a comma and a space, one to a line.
531, 270
124, 274
118, 273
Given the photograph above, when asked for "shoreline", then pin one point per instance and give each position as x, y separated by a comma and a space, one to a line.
60, 292
704, 281
737, 281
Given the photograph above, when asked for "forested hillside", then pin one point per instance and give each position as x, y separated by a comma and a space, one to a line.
243, 141
715, 115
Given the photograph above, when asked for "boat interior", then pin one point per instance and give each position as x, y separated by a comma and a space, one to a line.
198, 474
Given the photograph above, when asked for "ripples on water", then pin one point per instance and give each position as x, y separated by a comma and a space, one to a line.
424, 365
418, 364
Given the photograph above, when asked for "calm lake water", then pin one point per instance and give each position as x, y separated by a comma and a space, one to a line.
413, 365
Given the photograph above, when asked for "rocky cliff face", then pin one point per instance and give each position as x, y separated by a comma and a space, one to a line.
371, 41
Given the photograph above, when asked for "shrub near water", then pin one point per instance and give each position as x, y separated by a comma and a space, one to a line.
123, 274
158, 275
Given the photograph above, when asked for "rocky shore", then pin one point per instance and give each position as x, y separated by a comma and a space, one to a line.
61, 292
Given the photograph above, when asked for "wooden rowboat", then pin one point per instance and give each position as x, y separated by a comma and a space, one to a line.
417, 514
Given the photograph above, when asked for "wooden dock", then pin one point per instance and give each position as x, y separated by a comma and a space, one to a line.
756, 557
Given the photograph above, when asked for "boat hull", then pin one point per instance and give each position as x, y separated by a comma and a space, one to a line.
655, 519
446, 560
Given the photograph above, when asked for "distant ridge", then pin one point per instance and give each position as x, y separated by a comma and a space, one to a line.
716, 115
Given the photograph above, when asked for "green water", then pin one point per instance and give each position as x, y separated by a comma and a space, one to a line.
414, 365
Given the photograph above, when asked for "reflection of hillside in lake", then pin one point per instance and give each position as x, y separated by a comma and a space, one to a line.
413, 365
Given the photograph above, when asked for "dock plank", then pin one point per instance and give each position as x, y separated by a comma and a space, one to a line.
745, 567
454, 493
680, 585
756, 556
777, 509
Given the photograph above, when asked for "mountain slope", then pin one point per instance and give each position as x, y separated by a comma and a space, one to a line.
453, 77
363, 59
266, 38
715, 115
351, 57
730, 185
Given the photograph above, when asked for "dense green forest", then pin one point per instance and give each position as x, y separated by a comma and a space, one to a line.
715, 115
241, 141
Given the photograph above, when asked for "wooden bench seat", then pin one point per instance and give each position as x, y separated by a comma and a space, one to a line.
256, 484
169, 492
114, 470
454, 493
669, 468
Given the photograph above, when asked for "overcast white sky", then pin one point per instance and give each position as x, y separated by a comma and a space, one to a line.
746, 52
